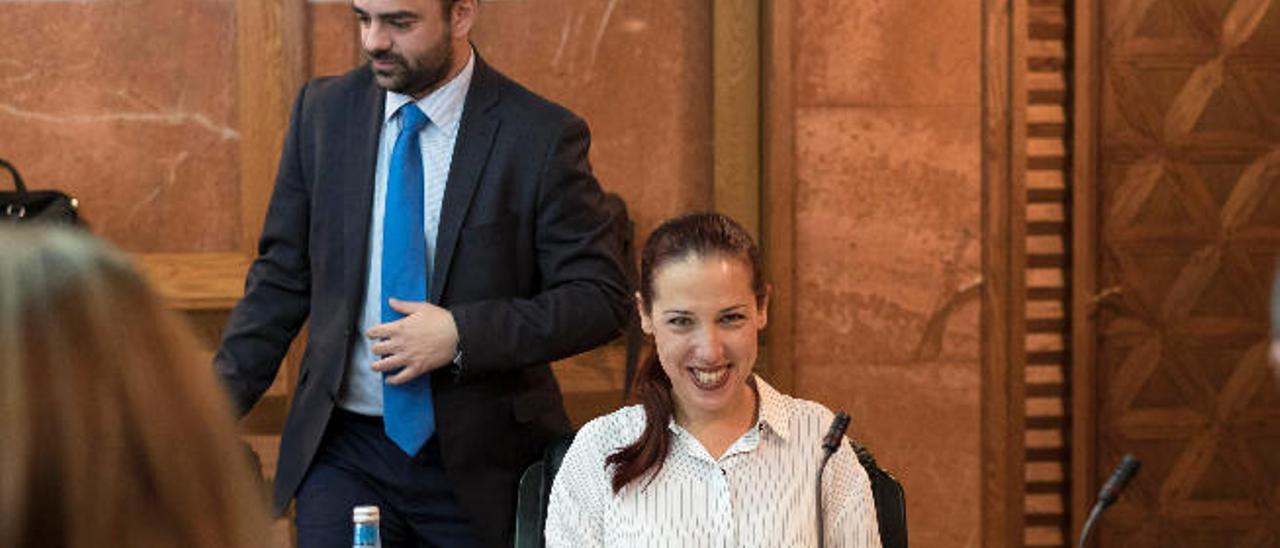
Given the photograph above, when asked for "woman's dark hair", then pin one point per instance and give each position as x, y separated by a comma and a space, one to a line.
688, 235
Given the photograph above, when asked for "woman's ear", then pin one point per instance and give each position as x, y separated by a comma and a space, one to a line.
646, 323
762, 318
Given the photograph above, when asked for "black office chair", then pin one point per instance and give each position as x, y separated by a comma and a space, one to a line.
891, 500
535, 491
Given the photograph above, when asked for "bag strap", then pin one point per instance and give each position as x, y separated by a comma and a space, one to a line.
17, 179
18, 210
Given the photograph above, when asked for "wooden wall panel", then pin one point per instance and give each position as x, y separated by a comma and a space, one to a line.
1187, 212
1084, 88
1003, 291
273, 65
735, 38
777, 217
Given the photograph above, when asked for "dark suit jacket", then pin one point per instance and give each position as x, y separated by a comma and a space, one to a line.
526, 260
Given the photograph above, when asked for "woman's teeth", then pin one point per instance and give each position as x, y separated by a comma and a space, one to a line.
705, 378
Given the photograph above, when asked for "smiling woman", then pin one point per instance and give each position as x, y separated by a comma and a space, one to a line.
709, 273
713, 455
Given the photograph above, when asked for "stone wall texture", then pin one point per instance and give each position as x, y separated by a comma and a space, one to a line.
888, 236
131, 109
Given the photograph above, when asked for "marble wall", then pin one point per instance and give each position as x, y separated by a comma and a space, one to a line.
888, 248
638, 71
132, 110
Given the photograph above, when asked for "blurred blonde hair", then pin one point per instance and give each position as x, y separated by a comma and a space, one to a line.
114, 430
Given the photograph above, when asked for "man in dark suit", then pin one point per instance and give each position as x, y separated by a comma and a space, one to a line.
427, 170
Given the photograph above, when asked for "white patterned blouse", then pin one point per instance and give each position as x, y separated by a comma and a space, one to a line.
759, 493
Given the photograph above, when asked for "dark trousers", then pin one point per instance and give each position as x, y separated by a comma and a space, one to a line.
357, 465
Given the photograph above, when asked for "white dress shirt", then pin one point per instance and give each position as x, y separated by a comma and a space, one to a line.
362, 388
759, 493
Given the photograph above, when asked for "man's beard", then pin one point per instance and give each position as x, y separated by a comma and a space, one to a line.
426, 72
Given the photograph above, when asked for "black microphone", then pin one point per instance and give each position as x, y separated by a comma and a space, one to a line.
830, 443
1110, 492
1124, 472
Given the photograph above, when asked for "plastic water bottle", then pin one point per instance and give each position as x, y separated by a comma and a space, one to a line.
366, 521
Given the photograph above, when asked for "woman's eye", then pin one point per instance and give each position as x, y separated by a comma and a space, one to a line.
680, 321
733, 318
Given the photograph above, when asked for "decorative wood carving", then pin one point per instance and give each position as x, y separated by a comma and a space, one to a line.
1045, 508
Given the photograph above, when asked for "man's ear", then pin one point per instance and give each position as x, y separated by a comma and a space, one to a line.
463, 15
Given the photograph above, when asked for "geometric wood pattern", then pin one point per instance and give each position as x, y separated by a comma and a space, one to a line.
1188, 209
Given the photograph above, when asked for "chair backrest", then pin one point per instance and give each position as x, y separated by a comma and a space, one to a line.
891, 500
530, 516
534, 492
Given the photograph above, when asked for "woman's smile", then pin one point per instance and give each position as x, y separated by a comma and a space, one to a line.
710, 379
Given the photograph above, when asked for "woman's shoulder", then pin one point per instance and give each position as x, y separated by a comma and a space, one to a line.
796, 411
616, 429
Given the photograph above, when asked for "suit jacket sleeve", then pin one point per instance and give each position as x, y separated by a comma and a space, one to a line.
584, 294
276, 296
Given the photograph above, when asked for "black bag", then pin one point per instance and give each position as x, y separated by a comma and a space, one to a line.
37, 205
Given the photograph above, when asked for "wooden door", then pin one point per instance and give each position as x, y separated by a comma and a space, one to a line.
1178, 212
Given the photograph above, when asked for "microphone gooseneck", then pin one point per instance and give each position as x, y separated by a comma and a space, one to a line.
830, 443
1109, 493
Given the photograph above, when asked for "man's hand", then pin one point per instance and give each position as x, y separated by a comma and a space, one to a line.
424, 340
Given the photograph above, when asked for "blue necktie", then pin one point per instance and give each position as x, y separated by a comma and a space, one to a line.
407, 412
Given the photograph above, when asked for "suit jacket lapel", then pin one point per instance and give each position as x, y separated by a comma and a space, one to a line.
476, 131
365, 111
